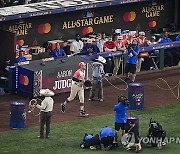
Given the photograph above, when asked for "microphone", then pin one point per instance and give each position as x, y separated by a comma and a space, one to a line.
63, 60
42, 64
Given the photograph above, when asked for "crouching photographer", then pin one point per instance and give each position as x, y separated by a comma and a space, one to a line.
107, 137
90, 142
156, 134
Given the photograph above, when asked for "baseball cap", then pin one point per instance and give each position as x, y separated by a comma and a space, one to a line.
101, 59
153, 37
82, 64
142, 33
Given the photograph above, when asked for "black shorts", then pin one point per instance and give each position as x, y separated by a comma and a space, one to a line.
120, 125
107, 141
130, 68
92, 142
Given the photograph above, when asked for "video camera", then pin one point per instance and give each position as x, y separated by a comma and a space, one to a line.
129, 46
90, 50
123, 100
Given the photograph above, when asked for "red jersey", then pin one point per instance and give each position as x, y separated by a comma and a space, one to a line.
120, 44
79, 74
109, 45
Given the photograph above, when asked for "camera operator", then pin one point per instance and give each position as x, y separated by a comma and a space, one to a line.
120, 115
133, 50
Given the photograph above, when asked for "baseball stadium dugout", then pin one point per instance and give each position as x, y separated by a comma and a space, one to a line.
55, 75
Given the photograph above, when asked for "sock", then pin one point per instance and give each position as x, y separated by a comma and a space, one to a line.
82, 106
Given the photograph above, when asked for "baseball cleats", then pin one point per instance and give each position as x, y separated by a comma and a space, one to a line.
83, 114
91, 99
63, 108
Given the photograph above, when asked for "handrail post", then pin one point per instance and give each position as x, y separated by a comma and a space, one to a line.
161, 59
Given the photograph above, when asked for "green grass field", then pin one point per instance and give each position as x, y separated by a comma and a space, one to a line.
66, 137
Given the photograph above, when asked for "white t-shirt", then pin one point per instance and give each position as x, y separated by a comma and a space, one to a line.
76, 46
47, 104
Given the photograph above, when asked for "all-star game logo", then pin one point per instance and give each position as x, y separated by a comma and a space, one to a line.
152, 13
138, 98
21, 28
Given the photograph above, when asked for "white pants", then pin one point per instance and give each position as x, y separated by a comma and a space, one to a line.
77, 88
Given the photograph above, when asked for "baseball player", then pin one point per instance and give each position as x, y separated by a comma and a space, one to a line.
77, 88
46, 108
98, 73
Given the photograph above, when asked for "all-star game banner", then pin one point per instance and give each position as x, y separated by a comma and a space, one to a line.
36, 30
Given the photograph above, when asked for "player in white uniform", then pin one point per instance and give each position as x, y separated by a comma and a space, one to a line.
77, 87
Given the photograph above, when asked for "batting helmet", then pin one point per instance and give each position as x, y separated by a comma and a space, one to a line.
81, 64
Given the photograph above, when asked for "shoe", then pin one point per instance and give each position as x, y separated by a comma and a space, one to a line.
115, 144
41, 137
137, 149
82, 146
159, 145
62, 108
91, 99
101, 100
163, 143
83, 114
92, 147
152, 68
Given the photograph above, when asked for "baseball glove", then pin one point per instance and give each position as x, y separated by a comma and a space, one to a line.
87, 83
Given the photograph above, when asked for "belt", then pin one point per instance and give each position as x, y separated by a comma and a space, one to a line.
78, 84
46, 112
97, 78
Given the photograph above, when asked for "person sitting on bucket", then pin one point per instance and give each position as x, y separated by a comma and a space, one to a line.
131, 140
